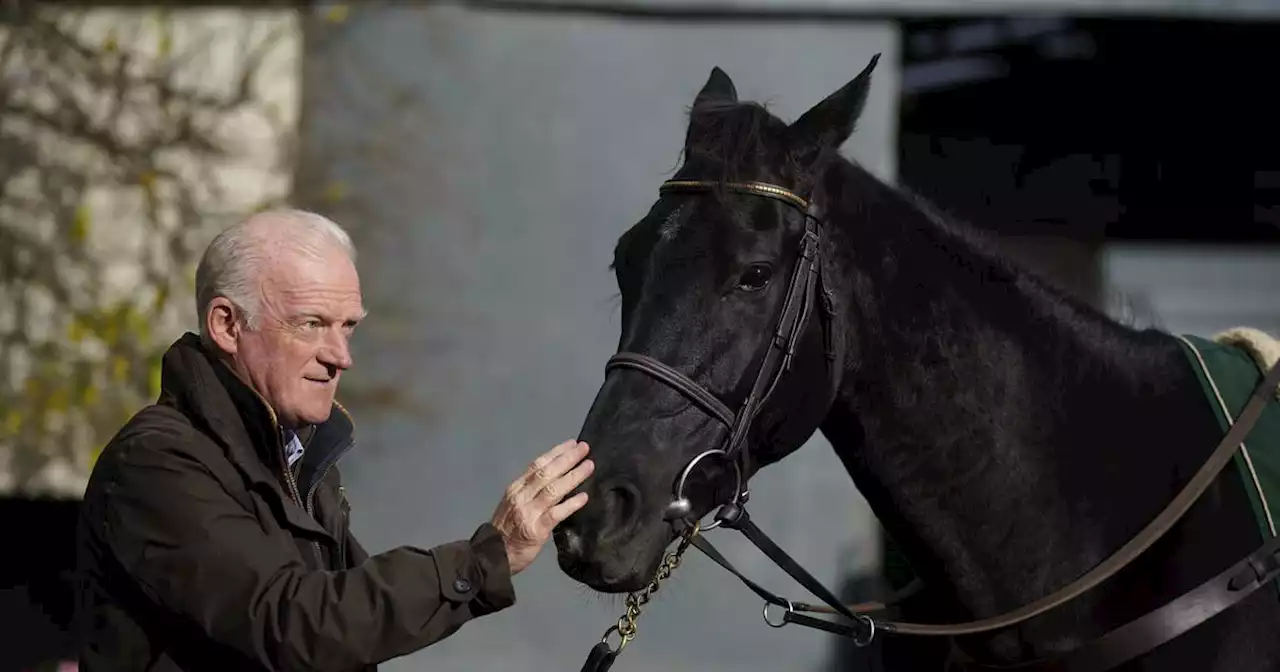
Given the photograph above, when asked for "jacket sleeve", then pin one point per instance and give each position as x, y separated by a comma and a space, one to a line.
198, 553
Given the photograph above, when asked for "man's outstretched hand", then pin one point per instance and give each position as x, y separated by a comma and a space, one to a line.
532, 506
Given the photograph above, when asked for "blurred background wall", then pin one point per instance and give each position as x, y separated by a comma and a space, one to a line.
487, 155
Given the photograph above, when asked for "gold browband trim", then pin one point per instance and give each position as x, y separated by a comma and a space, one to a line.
757, 188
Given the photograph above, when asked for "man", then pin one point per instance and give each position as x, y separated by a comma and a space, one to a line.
214, 530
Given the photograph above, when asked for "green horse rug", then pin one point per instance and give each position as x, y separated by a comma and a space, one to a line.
1230, 367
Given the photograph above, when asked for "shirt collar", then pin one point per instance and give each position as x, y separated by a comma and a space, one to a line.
292, 446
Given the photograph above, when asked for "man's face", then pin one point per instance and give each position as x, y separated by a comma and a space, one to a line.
308, 310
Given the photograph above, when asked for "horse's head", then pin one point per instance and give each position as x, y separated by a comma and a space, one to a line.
723, 329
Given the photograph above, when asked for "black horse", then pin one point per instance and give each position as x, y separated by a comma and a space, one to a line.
1008, 436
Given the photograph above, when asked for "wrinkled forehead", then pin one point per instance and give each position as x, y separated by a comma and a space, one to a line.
299, 281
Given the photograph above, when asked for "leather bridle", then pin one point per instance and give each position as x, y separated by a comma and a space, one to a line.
806, 284
1105, 652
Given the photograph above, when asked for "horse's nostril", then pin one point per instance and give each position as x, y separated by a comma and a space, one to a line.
621, 501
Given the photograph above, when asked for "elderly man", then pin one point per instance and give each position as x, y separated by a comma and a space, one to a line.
214, 530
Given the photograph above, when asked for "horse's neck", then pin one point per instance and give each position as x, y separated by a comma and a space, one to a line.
1006, 436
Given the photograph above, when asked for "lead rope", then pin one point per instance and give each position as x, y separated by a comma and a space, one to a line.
602, 655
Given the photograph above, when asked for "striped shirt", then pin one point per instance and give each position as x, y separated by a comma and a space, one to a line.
292, 447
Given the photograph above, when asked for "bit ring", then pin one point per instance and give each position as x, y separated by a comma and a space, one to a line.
791, 609
871, 631
688, 469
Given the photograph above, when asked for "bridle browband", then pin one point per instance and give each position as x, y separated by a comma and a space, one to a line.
806, 286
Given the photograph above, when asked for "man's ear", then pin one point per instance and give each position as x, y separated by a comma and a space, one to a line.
829, 124
222, 322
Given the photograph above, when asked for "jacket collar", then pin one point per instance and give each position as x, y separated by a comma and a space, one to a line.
205, 389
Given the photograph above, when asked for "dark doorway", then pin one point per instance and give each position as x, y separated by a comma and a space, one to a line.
35, 580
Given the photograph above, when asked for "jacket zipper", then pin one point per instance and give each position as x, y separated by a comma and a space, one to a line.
309, 501
293, 487
288, 473
328, 464
345, 518
315, 483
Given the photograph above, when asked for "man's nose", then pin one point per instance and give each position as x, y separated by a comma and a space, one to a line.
336, 352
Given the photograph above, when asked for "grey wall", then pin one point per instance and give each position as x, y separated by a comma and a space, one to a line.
489, 161
1197, 289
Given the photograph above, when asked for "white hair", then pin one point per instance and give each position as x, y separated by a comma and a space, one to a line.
234, 260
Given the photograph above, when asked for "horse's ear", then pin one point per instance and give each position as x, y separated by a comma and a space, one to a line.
719, 88
829, 123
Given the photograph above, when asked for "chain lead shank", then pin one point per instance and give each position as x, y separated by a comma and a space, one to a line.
626, 626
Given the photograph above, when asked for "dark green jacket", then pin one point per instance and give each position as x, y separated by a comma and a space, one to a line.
199, 550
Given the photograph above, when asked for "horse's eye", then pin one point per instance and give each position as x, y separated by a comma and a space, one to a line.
755, 277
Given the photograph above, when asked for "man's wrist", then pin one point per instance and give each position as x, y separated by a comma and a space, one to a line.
489, 548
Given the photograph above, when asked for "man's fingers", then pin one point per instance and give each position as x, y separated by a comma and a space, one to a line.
561, 460
564, 509
553, 491
545, 459
537, 470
